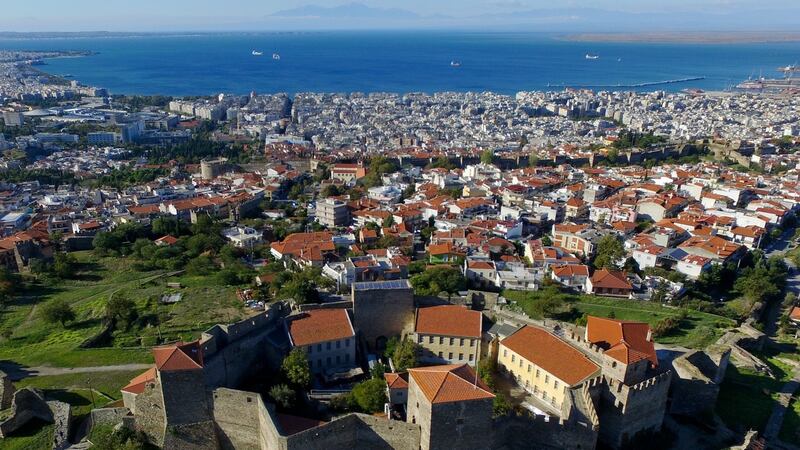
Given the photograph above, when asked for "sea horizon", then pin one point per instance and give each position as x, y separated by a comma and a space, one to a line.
207, 63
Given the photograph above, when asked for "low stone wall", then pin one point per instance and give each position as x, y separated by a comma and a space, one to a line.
26, 405
62, 419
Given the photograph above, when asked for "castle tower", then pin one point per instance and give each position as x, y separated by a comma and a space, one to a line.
633, 397
452, 407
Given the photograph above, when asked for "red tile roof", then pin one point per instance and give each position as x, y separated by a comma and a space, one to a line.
396, 380
137, 385
449, 383
627, 342
449, 320
320, 325
610, 279
177, 357
552, 354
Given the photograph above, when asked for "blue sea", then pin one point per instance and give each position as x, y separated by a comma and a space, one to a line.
397, 62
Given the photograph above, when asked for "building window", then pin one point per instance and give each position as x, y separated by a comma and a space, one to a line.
520, 363
537, 373
505, 353
328, 345
319, 347
347, 342
461, 342
338, 359
535, 389
546, 379
450, 356
459, 421
472, 342
451, 341
555, 384
471, 357
440, 355
544, 395
420, 339
430, 339
441, 340
338, 344
513, 358
460, 356
319, 363
529, 368
310, 349
328, 360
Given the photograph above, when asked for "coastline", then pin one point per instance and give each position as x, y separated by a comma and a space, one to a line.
685, 38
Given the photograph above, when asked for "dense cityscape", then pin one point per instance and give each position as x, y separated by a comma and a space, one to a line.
459, 270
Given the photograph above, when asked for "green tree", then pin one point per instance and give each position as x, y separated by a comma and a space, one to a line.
9, 285
500, 405
609, 252
295, 367
533, 160
282, 395
404, 354
121, 310
330, 190
388, 221
58, 311
487, 157
64, 265
439, 279
370, 395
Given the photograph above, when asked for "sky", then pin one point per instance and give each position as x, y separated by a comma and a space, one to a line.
268, 15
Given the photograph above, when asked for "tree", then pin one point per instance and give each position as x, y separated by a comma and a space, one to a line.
9, 284
500, 405
295, 367
370, 395
58, 311
121, 309
404, 353
487, 157
609, 252
330, 190
439, 279
282, 395
388, 221
64, 266
533, 160
165, 225
547, 241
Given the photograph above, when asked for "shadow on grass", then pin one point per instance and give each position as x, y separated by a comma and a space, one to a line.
65, 396
15, 370
745, 399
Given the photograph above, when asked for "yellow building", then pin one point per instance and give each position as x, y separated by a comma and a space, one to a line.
448, 334
543, 364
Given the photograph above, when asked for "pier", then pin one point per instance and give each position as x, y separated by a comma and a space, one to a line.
636, 85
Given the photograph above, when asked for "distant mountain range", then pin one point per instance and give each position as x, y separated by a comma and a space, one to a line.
498, 15
348, 11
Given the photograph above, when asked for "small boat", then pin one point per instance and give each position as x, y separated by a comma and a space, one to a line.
619, 59
591, 56
257, 53
455, 63
276, 56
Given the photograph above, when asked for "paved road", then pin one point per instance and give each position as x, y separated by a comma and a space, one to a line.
18, 373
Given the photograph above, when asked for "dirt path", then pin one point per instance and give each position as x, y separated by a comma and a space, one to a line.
18, 373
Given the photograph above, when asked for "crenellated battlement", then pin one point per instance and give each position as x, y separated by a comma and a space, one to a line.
652, 382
